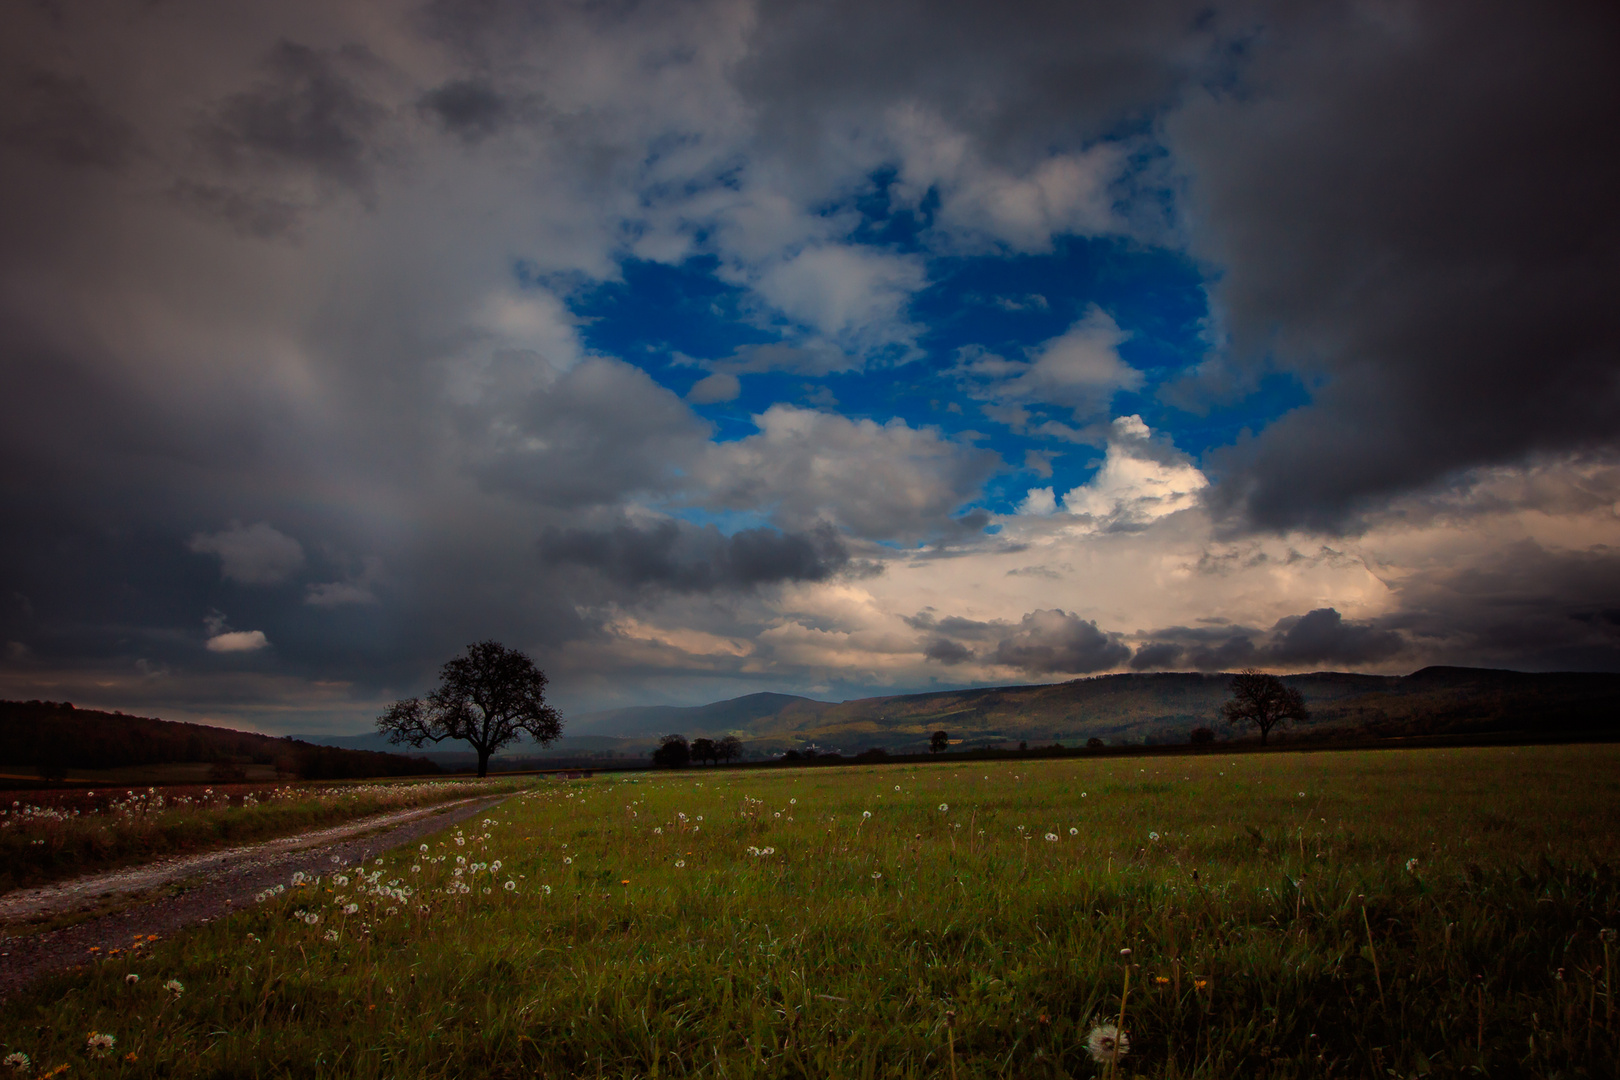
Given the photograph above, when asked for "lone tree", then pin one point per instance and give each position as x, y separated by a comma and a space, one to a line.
1263, 700
704, 750
938, 742
729, 748
489, 697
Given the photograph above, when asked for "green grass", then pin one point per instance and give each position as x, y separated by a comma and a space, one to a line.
48, 836
1274, 926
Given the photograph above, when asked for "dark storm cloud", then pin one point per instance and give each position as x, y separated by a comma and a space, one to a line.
1047, 642
688, 558
1527, 606
1320, 637
598, 433
469, 108
1412, 208
946, 651
1323, 636
1015, 77
1056, 642
1157, 656
305, 114
60, 117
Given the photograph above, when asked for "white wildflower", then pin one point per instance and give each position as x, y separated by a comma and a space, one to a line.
1106, 1043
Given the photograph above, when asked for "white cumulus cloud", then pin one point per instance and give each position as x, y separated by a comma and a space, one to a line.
234, 641
1140, 480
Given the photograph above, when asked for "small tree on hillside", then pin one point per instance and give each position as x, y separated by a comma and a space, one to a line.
1263, 701
489, 697
938, 742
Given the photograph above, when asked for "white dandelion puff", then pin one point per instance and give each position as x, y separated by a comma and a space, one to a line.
331, 936
1106, 1043
175, 987
131, 979
1051, 837
943, 807
17, 1062
1073, 831
510, 886
99, 1045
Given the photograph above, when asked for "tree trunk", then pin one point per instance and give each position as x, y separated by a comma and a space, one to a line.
483, 762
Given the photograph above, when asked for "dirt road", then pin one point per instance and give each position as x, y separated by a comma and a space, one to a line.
200, 887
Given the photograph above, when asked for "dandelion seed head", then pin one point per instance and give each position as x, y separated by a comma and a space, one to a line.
943, 807
1106, 1043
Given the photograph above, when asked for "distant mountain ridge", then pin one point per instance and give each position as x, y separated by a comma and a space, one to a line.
1141, 707
718, 717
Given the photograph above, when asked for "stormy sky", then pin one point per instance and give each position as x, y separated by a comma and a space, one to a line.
701, 348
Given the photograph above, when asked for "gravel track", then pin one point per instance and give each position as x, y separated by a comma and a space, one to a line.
229, 880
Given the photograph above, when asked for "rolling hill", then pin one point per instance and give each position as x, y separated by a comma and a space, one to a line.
1143, 708
50, 737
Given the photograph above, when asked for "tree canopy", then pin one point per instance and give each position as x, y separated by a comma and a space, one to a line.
1263, 701
938, 742
673, 752
489, 697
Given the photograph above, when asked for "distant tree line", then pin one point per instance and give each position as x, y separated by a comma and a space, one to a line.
675, 752
52, 737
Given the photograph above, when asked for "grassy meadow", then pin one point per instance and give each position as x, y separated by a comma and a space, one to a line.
1352, 914
50, 835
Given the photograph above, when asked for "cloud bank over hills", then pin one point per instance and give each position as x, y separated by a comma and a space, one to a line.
718, 347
